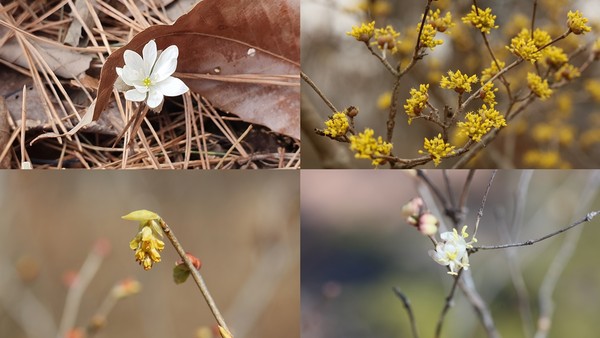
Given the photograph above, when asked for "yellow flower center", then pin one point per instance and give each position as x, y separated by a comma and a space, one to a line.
147, 82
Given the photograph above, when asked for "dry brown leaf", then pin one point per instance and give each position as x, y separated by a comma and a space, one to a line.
249, 49
63, 62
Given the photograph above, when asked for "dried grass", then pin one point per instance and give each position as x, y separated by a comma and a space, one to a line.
188, 133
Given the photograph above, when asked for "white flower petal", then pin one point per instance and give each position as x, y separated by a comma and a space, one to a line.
166, 64
149, 54
142, 88
133, 60
135, 95
155, 98
171, 86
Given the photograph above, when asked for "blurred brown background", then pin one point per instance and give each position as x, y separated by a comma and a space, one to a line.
243, 226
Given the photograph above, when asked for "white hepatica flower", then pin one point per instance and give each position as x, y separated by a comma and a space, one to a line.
452, 250
149, 78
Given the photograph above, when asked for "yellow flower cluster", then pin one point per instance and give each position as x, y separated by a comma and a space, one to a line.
427, 38
480, 123
416, 102
525, 47
147, 247
337, 125
437, 148
375, 8
492, 70
387, 39
457, 81
363, 33
548, 132
576, 23
146, 243
481, 19
488, 94
567, 72
544, 159
366, 146
593, 88
554, 56
539, 86
441, 24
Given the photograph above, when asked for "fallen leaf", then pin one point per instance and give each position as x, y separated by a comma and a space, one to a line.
65, 63
242, 55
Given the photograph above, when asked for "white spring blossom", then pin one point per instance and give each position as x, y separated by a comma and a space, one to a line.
451, 251
148, 78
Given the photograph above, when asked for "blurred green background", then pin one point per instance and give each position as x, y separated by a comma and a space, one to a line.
243, 226
356, 247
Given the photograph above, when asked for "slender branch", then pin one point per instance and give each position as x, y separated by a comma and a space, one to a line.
587, 218
411, 316
383, 61
480, 212
449, 189
318, 91
447, 305
195, 274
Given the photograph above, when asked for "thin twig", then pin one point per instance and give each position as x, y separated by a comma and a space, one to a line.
587, 218
411, 316
483, 200
318, 91
447, 305
195, 274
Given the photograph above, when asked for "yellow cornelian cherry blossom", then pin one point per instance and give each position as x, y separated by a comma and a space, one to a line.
567, 72
538, 86
488, 94
337, 125
481, 19
366, 146
437, 148
416, 102
458, 81
492, 70
577, 23
441, 24
363, 33
386, 39
554, 56
525, 47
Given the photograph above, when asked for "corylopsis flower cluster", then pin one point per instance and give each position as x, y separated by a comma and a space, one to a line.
149, 78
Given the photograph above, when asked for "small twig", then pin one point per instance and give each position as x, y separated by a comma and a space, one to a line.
447, 305
462, 202
483, 200
411, 316
587, 218
195, 274
318, 91
383, 61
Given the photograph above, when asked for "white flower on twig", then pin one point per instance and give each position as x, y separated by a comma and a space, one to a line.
149, 78
452, 250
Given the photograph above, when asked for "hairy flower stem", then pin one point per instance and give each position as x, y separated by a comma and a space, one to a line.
195, 274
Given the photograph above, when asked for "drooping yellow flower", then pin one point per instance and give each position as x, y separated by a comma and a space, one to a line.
146, 243
437, 148
481, 19
577, 23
